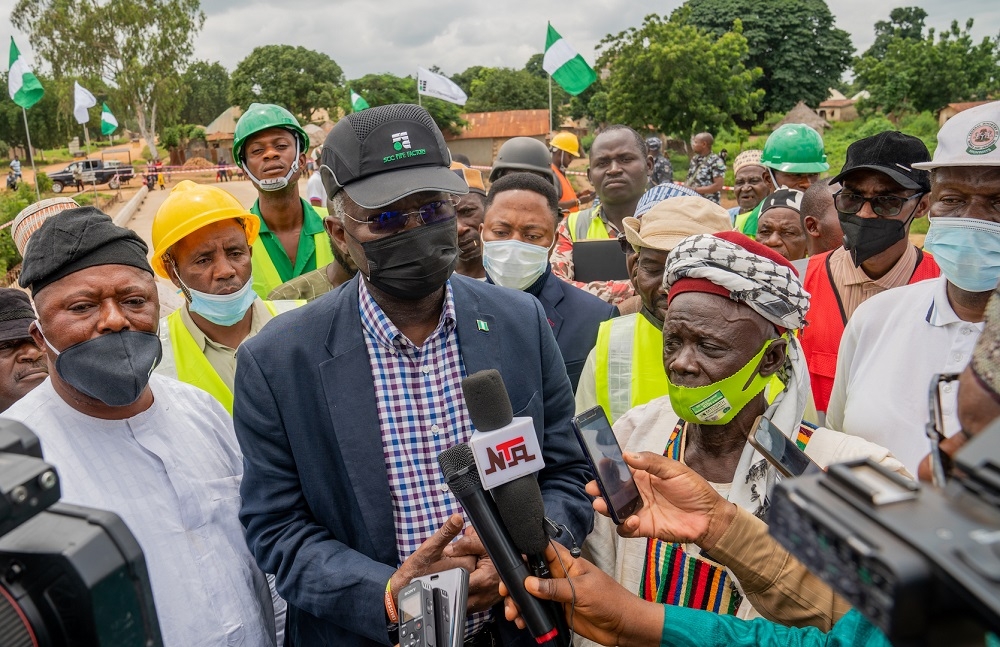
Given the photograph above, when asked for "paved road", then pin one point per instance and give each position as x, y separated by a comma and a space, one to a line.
142, 224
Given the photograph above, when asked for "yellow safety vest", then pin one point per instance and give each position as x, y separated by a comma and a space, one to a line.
265, 274
585, 225
629, 364
184, 360
629, 369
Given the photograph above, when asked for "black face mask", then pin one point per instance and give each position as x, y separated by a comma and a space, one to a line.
413, 263
866, 237
113, 368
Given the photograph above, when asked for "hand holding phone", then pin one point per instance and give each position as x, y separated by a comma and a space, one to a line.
613, 476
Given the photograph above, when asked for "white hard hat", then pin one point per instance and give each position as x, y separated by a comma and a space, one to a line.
970, 138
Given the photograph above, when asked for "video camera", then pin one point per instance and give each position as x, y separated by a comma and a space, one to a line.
921, 563
69, 576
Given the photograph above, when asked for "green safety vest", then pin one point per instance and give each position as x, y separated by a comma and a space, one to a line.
629, 364
265, 274
183, 359
746, 223
629, 369
586, 225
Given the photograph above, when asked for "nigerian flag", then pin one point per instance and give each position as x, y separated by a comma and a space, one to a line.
565, 65
24, 87
358, 102
108, 122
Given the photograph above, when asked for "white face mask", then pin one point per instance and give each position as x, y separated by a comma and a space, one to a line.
513, 264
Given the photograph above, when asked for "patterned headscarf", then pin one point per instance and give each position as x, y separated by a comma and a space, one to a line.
730, 264
986, 354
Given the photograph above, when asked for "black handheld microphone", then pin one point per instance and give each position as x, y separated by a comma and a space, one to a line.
458, 466
523, 512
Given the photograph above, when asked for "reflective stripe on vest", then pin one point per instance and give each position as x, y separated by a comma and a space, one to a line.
629, 370
183, 360
583, 225
265, 274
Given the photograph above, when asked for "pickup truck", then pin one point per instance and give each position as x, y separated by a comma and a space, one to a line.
110, 172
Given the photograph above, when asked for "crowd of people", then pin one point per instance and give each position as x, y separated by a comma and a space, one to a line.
273, 443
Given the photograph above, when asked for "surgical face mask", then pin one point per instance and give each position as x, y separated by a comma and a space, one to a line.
514, 264
415, 262
220, 309
967, 250
113, 368
719, 402
866, 237
277, 183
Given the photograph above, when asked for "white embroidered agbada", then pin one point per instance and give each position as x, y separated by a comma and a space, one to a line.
172, 473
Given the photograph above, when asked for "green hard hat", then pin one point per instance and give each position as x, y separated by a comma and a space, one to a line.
795, 148
261, 116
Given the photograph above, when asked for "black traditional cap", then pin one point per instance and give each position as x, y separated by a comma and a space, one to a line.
385, 153
788, 198
78, 239
16, 314
892, 153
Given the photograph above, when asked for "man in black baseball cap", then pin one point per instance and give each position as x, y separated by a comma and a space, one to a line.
22, 362
881, 195
342, 406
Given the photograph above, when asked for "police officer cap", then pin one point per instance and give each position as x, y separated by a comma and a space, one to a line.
78, 239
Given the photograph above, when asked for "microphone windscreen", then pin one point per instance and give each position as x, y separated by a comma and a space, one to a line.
523, 512
487, 400
458, 465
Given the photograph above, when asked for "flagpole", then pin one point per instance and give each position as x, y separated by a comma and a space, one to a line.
551, 127
34, 171
86, 136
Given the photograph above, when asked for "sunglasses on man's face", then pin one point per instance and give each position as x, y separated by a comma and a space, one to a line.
885, 206
391, 222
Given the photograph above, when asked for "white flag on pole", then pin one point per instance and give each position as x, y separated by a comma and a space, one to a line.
439, 86
83, 100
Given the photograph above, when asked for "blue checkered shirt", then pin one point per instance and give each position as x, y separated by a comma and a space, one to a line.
421, 413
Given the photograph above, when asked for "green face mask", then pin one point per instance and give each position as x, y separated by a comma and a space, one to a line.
719, 402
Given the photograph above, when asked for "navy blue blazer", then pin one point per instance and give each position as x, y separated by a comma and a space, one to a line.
316, 501
575, 316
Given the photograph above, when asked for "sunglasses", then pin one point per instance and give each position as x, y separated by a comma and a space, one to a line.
391, 222
885, 206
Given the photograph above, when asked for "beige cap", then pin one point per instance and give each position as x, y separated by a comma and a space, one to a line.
970, 138
750, 157
31, 218
671, 221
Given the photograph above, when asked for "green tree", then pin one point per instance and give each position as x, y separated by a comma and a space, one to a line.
384, 89
464, 79
136, 47
929, 72
504, 88
207, 87
794, 42
904, 22
302, 80
677, 78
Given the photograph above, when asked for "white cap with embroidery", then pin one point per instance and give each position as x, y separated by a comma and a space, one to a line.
970, 138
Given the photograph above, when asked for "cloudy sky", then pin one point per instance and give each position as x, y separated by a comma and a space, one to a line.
364, 36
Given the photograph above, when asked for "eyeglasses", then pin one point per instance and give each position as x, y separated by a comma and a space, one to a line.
940, 461
625, 245
885, 206
391, 222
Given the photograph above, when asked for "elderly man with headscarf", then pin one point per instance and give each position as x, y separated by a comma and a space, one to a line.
733, 308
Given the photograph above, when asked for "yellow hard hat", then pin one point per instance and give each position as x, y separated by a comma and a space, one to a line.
568, 142
188, 208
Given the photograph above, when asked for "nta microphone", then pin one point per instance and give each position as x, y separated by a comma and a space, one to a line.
505, 447
459, 469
